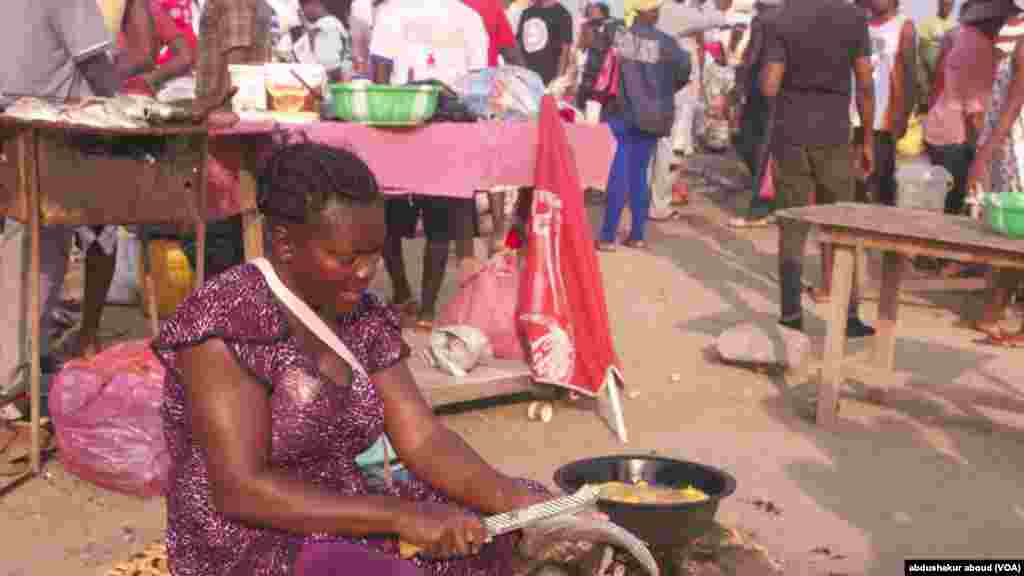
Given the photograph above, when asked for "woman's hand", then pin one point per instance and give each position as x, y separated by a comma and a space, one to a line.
442, 530
979, 175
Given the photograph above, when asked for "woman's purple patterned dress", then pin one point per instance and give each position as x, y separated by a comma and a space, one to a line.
318, 428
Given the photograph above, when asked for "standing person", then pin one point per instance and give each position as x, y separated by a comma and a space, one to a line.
230, 32
893, 49
930, 34
147, 31
545, 36
999, 166
755, 113
597, 34
432, 40
652, 69
810, 55
159, 49
501, 40
967, 66
327, 41
58, 49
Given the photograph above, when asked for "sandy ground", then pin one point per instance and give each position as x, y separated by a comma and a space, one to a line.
937, 473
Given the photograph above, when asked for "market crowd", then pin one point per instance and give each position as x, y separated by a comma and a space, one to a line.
265, 417
689, 76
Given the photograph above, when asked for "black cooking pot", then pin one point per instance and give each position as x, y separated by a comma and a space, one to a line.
666, 526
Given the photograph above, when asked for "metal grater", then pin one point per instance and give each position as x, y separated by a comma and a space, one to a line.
511, 521
517, 519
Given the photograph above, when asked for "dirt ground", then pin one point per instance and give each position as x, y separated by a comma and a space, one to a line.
935, 473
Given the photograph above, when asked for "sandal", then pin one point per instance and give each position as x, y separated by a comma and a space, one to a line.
605, 247
991, 332
820, 295
1003, 341
636, 244
752, 223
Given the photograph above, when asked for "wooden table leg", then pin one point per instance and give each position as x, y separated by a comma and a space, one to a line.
252, 232
29, 179
835, 340
204, 160
893, 264
252, 220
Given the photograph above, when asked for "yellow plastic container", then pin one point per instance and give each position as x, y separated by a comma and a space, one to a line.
172, 276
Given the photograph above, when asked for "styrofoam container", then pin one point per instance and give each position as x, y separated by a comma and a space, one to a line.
252, 88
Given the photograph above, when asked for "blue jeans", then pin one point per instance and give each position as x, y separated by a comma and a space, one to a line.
628, 176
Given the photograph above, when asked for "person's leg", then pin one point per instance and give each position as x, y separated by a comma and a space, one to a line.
401, 216
100, 260
997, 297
497, 201
661, 179
439, 215
617, 184
54, 242
463, 224
838, 181
795, 185
344, 558
956, 159
885, 158
642, 147
682, 126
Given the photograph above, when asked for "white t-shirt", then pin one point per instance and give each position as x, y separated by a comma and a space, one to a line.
433, 39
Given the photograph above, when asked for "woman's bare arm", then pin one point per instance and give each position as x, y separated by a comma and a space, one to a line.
229, 415
436, 454
1007, 117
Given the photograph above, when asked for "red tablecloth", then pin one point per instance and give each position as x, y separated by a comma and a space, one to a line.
449, 159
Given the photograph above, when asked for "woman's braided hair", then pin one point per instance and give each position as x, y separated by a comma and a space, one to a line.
301, 180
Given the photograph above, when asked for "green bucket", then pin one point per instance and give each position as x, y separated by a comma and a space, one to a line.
379, 105
1005, 214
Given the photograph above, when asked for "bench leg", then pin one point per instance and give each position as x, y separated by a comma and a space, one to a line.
835, 340
888, 314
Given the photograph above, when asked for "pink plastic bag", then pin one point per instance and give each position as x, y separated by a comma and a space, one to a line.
106, 412
487, 301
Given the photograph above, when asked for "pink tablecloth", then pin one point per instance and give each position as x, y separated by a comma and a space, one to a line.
451, 159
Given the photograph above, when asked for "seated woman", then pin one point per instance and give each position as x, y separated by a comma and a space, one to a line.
264, 421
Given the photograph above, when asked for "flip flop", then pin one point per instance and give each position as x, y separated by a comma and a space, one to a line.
992, 333
819, 296
1015, 341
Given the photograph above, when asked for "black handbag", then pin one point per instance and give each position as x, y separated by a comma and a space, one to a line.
450, 108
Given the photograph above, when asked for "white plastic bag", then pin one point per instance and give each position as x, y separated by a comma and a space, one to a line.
456, 350
124, 288
505, 92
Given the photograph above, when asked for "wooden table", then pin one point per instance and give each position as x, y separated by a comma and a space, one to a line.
59, 174
898, 233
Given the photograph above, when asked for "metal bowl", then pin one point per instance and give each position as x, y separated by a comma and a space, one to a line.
666, 526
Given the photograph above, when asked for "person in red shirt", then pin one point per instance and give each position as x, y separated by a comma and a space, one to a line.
146, 30
499, 31
156, 47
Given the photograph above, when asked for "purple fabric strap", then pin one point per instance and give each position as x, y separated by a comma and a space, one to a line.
343, 558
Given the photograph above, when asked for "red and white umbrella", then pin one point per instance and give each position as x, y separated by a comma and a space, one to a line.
562, 312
